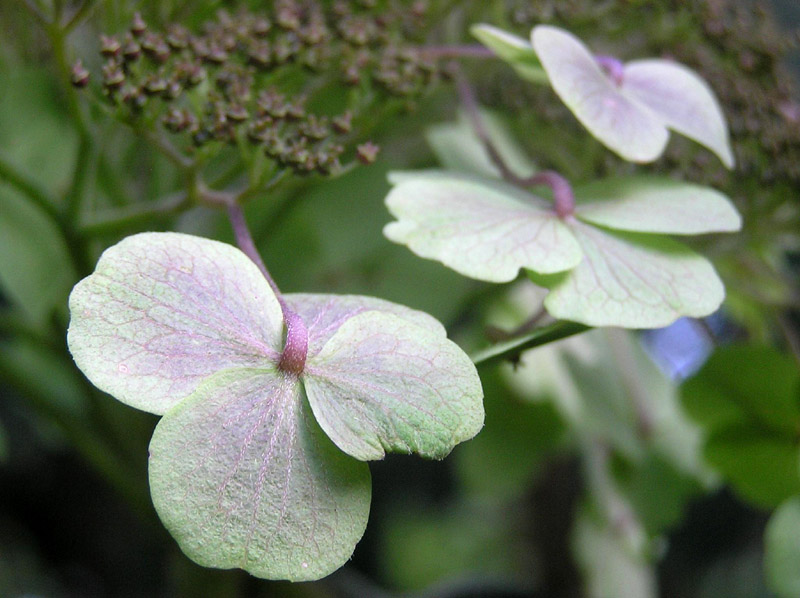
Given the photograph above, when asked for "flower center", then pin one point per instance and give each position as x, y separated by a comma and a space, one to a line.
612, 67
295, 351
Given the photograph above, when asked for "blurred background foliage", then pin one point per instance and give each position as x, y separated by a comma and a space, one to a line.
611, 465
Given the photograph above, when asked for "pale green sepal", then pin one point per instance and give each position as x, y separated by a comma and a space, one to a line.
515, 50
617, 121
383, 383
164, 311
683, 101
323, 315
480, 228
656, 205
633, 281
631, 114
242, 476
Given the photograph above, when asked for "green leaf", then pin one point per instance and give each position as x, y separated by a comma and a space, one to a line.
35, 269
480, 228
242, 476
631, 115
730, 390
656, 205
634, 281
458, 148
35, 126
325, 314
761, 467
515, 50
384, 384
488, 230
747, 398
163, 311
782, 549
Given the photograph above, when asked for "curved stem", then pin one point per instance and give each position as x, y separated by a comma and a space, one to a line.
510, 350
563, 197
26, 185
467, 97
116, 220
83, 11
295, 350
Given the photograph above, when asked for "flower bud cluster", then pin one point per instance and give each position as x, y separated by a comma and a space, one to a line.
222, 84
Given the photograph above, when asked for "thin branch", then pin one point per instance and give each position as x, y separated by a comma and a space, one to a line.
295, 350
170, 151
456, 51
28, 187
511, 350
245, 242
618, 512
118, 220
83, 11
37, 13
77, 190
470, 104
563, 197
497, 334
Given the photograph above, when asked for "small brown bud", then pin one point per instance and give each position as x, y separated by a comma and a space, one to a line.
287, 14
109, 46
352, 75
113, 75
154, 85
419, 8
367, 152
131, 51
285, 48
216, 55
237, 113
201, 137
315, 127
155, 48
261, 27
343, 123
172, 91
259, 130
259, 54
138, 26
134, 98
176, 120
196, 75
296, 110
177, 37
80, 76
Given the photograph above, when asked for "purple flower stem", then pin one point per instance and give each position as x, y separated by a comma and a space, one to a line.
295, 350
473, 112
563, 197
